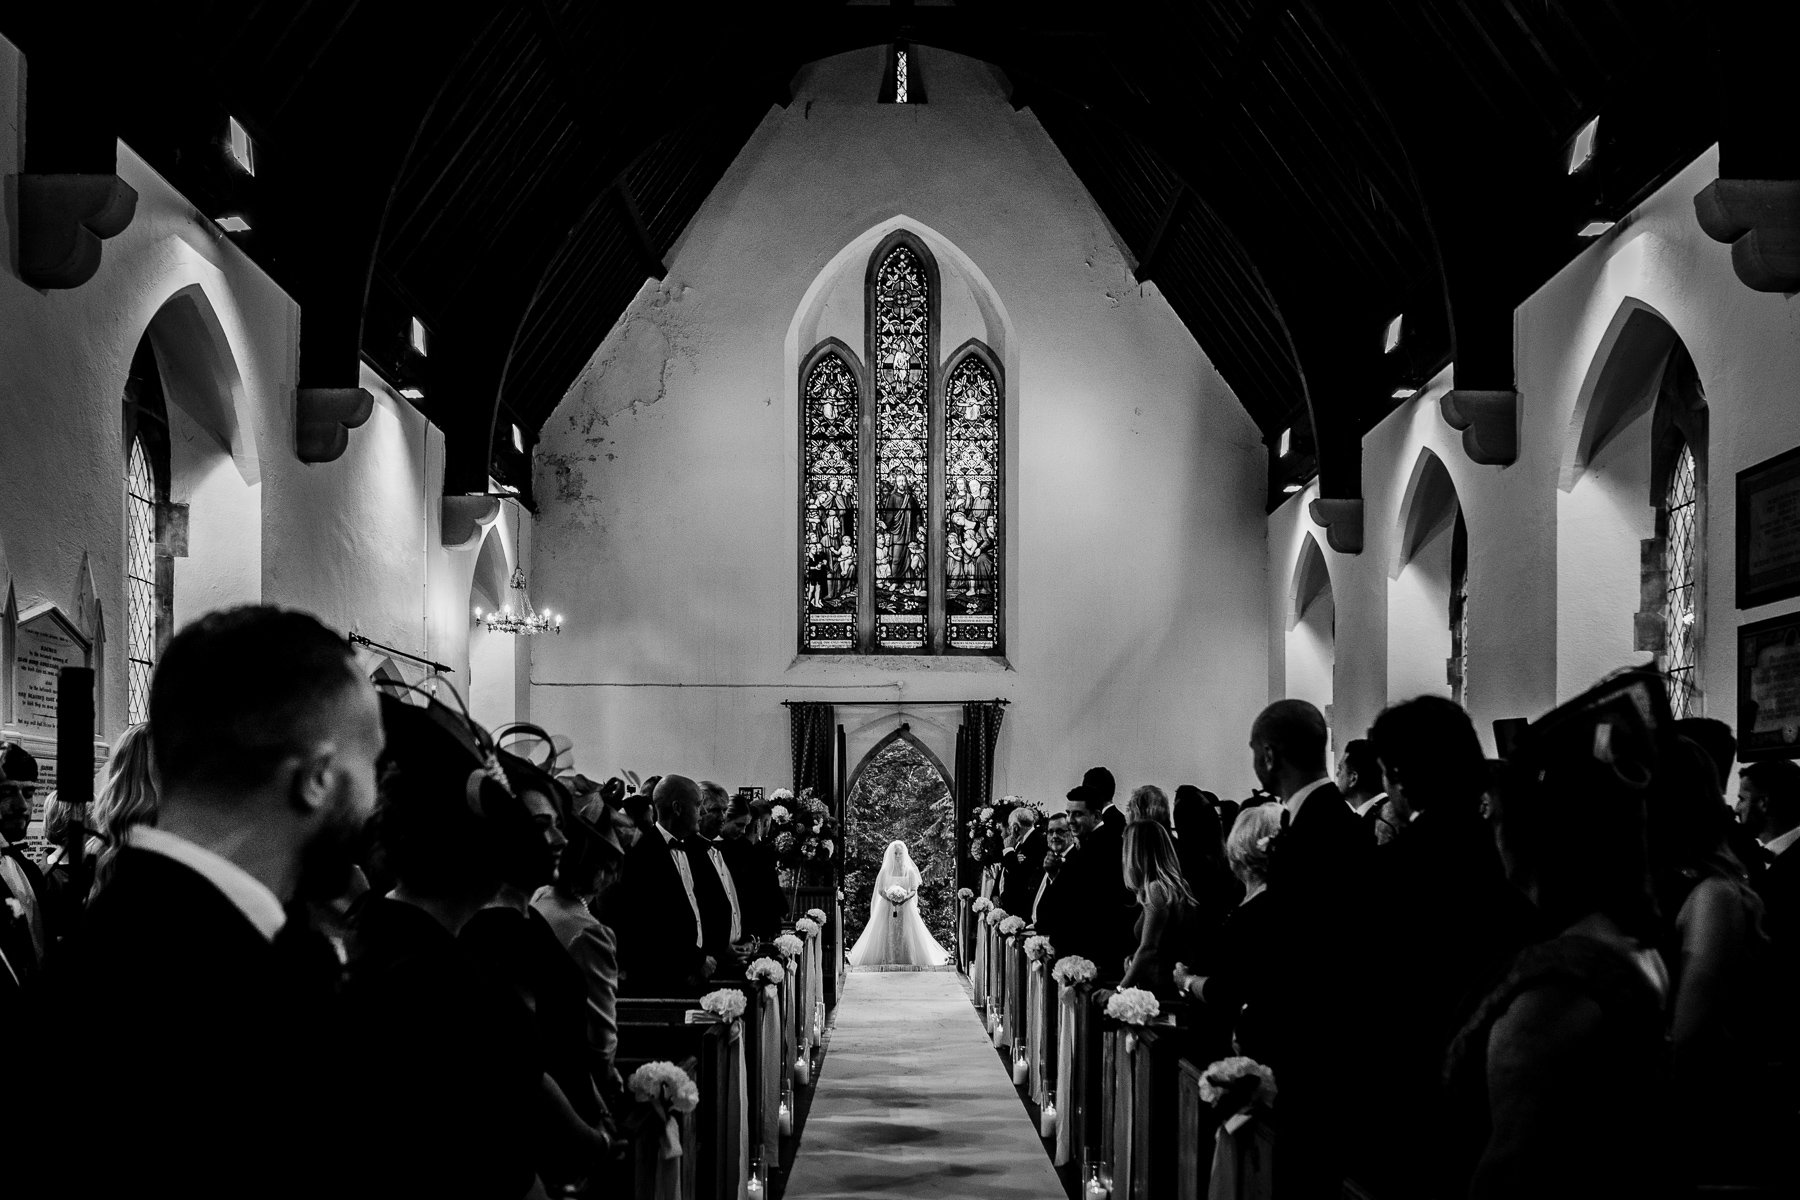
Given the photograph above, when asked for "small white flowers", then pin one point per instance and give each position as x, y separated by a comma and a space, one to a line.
807, 926
987, 814
1073, 970
1039, 949
789, 945
1012, 925
780, 794
964, 894
1134, 1006
817, 914
897, 894
995, 915
765, 970
1262, 843
727, 1004
981, 905
15, 909
1219, 1080
780, 815
665, 1083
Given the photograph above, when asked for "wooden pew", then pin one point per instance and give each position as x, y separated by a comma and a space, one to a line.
965, 936
1040, 1031
713, 1055
1077, 1071
1017, 976
1142, 1069
1246, 1167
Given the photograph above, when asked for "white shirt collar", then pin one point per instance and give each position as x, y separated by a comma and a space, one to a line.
260, 906
668, 837
1293, 802
1362, 809
1779, 845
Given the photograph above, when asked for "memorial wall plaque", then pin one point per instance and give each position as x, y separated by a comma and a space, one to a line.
45, 643
1769, 689
1768, 531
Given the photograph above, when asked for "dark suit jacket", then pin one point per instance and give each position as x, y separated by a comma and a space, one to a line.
15, 934
1022, 868
225, 1064
1779, 887
659, 940
758, 884
1325, 848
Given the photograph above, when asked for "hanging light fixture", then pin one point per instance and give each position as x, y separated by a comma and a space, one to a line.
518, 617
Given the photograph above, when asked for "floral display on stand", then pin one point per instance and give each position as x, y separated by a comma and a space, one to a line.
995, 915
816, 914
1039, 950
987, 828
806, 842
1012, 925
1134, 1006
765, 970
1074, 970
806, 926
727, 1004
789, 945
981, 905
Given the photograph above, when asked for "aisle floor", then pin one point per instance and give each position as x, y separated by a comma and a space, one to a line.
913, 1101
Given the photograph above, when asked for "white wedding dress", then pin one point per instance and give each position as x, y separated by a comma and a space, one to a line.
896, 935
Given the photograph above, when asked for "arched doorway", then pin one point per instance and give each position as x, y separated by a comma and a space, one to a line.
901, 791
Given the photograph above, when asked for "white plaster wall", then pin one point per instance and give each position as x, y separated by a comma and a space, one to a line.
1311, 656
669, 478
1419, 604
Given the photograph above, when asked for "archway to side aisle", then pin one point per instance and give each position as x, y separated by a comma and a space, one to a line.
901, 791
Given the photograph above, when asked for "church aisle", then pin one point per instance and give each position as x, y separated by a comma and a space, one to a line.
914, 1102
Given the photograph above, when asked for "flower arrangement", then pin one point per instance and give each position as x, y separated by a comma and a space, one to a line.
1039, 949
817, 914
995, 915
765, 970
781, 796
15, 909
1073, 970
1134, 1006
1012, 925
1238, 1084
806, 926
965, 894
665, 1083
789, 945
987, 828
727, 1004
982, 904
806, 838
897, 894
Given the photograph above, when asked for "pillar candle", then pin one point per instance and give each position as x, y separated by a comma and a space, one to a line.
1095, 1190
802, 1071
1021, 1070
1047, 1120
785, 1116
753, 1190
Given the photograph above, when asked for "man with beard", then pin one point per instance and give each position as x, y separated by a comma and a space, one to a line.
266, 738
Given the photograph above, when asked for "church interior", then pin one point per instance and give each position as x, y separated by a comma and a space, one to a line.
695, 393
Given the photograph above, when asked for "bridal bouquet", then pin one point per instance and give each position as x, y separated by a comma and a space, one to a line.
765, 970
727, 1004
1012, 925
1134, 1006
897, 894
1073, 970
1039, 949
806, 926
982, 904
995, 915
817, 914
666, 1084
789, 945
1238, 1084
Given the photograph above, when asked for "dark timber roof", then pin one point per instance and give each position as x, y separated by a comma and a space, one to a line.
1292, 175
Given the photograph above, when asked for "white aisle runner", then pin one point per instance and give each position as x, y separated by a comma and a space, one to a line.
914, 1102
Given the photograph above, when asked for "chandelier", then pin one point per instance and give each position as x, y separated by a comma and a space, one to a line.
519, 617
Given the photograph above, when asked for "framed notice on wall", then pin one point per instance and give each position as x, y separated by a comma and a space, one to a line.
1769, 689
1768, 531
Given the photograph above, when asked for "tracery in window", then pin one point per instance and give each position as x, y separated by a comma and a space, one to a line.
140, 582
902, 365
971, 512
833, 423
1680, 653
1459, 611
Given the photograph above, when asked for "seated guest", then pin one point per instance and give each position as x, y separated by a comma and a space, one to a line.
672, 919
715, 805
1359, 778
22, 883
1560, 1078
227, 1076
1148, 803
1169, 914
753, 866
1022, 862
590, 865
1234, 975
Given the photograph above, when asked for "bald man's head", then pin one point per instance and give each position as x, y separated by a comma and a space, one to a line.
678, 805
1288, 739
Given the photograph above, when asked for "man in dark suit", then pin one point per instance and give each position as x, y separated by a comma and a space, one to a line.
673, 919
25, 926
1087, 910
226, 1071
1022, 865
1768, 805
715, 806
754, 870
1360, 780
1325, 845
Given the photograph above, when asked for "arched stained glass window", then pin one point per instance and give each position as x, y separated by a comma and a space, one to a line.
140, 582
971, 509
1680, 573
1459, 611
901, 505
833, 419
903, 368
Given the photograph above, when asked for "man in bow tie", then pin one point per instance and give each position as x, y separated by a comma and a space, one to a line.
674, 916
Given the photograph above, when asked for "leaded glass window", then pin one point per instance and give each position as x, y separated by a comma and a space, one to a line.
833, 416
902, 364
1459, 611
971, 511
1681, 573
140, 582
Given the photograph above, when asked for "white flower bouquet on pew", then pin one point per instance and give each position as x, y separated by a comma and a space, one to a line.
666, 1084
1236, 1088
1012, 925
1134, 1006
789, 945
1038, 949
982, 904
727, 1004
816, 914
806, 926
995, 915
765, 970
965, 894
1074, 970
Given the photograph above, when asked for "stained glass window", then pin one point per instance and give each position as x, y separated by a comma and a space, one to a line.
900, 77
902, 365
971, 508
1459, 611
1680, 556
140, 582
833, 416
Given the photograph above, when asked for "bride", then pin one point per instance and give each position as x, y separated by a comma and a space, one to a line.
896, 934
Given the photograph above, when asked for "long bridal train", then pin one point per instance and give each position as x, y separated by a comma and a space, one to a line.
896, 935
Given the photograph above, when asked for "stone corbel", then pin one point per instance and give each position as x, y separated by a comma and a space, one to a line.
1489, 421
323, 419
62, 221
461, 520
1342, 521
1760, 220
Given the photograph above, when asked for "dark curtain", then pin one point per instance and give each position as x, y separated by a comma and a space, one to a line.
975, 743
815, 739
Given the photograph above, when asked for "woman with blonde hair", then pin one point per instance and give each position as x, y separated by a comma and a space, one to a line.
1169, 912
127, 797
1235, 977
1149, 803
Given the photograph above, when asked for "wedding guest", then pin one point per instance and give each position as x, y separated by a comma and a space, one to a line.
1148, 803
1768, 805
590, 864
67, 880
127, 797
1359, 778
1234, 975
1087, 911
228, 1075
641, 805
22, 885
1201, 849
1104, 853
1560, 1079
1328, 848
714, 805
1168, 916
671, 935
1022, 862
1098, 783
754, 868
1059, 843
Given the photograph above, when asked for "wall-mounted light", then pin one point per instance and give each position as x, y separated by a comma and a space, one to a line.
417, 337
1390, 341
234, 223
1581, 150
518, 439
1595, 228
1290, 488
1285, 444
239, 146
413, 393
1405, 393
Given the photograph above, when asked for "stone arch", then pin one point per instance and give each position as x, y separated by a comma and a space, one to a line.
1427, 507
1310, 646
1311, 579
201, 375
1425, 594
1620, 383
493, 657
902, 733
488, 584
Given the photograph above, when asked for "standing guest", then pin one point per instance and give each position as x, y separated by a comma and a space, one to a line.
1360, 779
590, 864
67, 881
127, 797
1104, 852
1235, 973
671, 937
1059, 843
22, 886
1022, 862
1768, 805
753, 865
1329, 846
1148, 803
1169, 914
715, 805
227, 1075
1098, 783
1087, 910
1201, 848
641, 805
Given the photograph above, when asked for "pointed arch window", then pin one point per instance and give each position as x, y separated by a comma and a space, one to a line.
1673, 582
149, 569
1681, 510
901, 483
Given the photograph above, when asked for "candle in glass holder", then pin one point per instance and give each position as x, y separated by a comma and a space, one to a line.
753, 1190
998, 1033
1095, 1191
1047, 1119
802, 1070
1021, 1070
785, 1117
